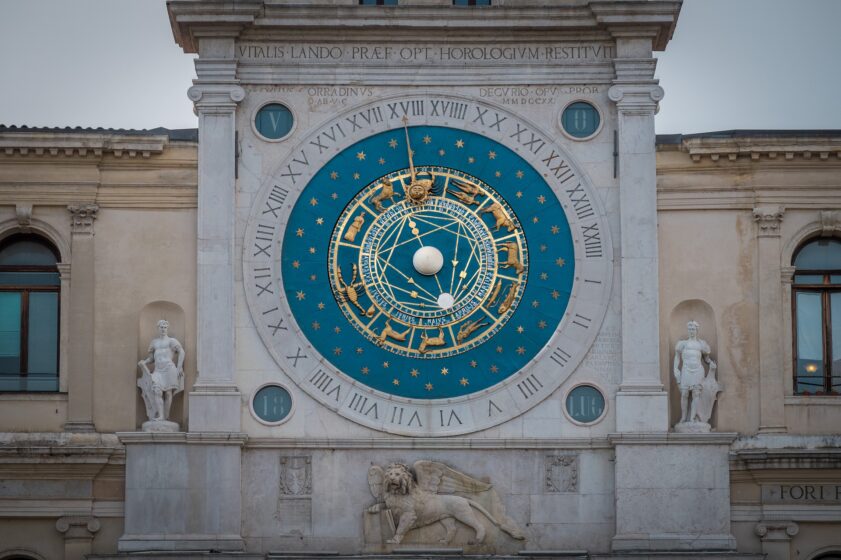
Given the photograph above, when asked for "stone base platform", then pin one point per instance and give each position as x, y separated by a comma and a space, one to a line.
430, 554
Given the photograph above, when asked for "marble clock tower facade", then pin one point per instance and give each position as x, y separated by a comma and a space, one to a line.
427, 300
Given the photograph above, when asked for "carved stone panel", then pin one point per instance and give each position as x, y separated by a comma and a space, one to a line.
294, 504
561, 473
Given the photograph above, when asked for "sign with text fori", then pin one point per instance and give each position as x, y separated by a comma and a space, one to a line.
801, 493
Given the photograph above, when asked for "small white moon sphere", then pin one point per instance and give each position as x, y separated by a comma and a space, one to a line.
428, 260
446, 301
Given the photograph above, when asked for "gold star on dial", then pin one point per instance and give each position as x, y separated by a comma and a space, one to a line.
337, 351
541, 324
313, 277
427, 139
560, 262
316, 325
459, 143
543, 248
337, 330
301, 295
471, 159
442, 153
365, 370
359, 350
541, 199
520, 174
319, 221
360, 156
392, 143
464, 382
492, 154
535, 304
385, 365
544, 276
535, 220
313, 201
520, 329
498, 174
312, 250
299, 232
519, 194
556, 294
494, 369
555, 230
396, 382
414, 373
320, 305
334, 175
521, 350
444, 371
428, 386
334, 196
356, 176
381, 161
473, 363
499, 349
296, 264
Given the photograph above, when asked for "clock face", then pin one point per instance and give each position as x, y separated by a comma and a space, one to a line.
427, 265
432, 285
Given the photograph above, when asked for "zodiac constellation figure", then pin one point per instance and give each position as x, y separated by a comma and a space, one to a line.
350, 292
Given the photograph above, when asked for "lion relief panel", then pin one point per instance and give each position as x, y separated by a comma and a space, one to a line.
432, 504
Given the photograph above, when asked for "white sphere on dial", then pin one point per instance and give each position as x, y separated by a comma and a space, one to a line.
428, 260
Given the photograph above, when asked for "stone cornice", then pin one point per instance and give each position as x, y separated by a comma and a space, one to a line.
80, 144
644, 18
429, 443
770, 147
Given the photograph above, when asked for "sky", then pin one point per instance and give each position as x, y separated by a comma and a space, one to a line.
758, 64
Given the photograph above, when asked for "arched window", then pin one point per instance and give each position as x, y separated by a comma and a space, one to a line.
817, 312
29, 303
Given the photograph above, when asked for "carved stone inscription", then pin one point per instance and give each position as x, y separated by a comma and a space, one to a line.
294, 505
424, 54
561, 473
801, 493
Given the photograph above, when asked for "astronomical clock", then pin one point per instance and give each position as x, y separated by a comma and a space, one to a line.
428, 265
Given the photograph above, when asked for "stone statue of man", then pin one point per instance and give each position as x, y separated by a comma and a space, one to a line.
698, 389
161, 384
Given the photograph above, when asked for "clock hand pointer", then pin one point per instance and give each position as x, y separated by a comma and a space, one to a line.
409, 148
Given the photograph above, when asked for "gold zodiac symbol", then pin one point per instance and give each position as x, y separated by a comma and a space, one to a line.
386, 193
509, 298
513, 259
467, 192
350, 293
389, 332
418, 189
502, 220
354, 228
427, 341
468, 328
495, 293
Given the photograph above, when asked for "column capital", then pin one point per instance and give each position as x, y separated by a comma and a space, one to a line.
636, 98
77, 526
210, 97
787, 274
82, 217
776, 530
769, 218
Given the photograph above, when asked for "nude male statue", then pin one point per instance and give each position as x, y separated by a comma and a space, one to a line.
694, 352
168, 376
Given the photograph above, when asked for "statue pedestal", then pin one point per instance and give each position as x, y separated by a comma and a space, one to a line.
672, 492
692, 428
183, 491
164, 426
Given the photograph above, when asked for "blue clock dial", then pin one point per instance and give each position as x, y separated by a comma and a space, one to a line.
428, 262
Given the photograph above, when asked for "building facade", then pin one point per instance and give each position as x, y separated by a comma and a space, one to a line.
423, 281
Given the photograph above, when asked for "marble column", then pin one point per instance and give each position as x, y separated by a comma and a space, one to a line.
641, 403
776, 538
81, 320
78, 534
215, 399
771, 383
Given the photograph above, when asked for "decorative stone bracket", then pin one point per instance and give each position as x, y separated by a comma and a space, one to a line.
776, 530
78, 533
82, 217
769, 219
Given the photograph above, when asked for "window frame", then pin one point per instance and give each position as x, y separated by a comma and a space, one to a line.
825, 289
25, 290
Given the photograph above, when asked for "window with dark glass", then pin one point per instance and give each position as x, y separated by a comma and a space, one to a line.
29, 303
471, 2
817, 318
378, 2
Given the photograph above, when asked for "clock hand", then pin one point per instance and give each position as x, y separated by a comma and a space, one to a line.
409, 148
